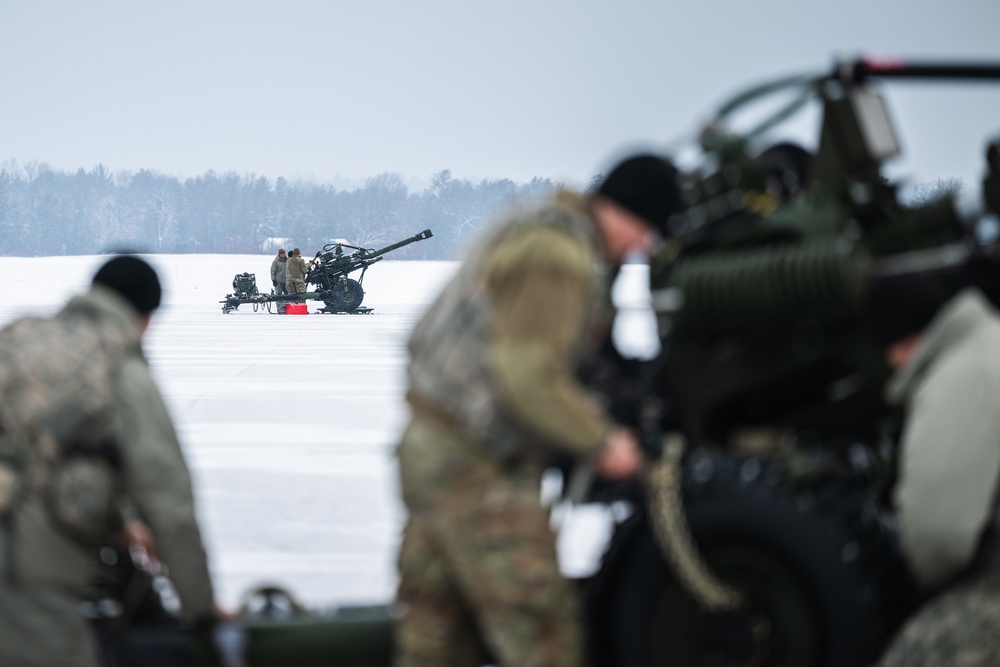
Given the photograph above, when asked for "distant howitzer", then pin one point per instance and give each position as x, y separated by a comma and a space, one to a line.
330, 268
328, 271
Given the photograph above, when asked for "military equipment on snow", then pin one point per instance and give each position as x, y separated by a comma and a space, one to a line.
329, 273
137, 623
781, 447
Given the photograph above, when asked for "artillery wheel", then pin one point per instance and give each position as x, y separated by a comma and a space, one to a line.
270, 601
823, 582
348, 294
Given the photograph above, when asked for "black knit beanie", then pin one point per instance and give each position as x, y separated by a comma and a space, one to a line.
134, 279
647, 186
901, 306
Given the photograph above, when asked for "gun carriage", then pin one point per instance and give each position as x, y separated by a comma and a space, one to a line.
329, 274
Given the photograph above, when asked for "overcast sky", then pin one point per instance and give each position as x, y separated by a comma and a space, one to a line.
334, 89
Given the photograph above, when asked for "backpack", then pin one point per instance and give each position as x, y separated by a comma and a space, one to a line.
57, 408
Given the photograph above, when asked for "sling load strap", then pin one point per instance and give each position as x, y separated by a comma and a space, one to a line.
673, 535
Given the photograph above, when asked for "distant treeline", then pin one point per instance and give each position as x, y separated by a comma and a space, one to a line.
46, 212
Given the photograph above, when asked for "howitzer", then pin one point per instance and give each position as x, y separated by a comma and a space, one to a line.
329, 271
331, 267
769, 392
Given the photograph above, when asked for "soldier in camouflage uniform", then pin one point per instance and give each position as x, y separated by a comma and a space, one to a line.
945, 352
44, 571
296, 270
493, 393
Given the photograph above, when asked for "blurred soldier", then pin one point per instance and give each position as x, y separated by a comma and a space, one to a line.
279, 272
946, 356
297, 270
493, 394
44, 570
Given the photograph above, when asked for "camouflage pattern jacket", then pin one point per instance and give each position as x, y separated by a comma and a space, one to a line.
155, 480
296, 268
494, 360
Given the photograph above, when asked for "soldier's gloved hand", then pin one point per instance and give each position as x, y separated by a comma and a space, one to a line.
140, 537
274, 283
621, 457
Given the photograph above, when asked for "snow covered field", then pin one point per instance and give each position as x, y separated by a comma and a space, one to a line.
289, 422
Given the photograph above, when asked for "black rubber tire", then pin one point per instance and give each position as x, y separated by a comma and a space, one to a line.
825, 584
348, 294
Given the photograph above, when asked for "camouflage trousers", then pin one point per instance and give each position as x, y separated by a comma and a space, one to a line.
958, 628
478, 570
296, 286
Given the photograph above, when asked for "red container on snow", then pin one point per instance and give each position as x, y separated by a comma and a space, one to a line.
296, 309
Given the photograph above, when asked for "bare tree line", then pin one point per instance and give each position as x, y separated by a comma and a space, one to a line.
47, 212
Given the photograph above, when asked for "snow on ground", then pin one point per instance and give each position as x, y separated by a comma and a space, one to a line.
289, 422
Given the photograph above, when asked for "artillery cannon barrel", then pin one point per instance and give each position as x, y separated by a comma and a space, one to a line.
426, 234
859, 70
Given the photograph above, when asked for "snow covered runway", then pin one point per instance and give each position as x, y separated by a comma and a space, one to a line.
288, 422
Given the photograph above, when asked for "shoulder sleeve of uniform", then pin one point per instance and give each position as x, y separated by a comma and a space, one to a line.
538, 251
158, 482
542, 284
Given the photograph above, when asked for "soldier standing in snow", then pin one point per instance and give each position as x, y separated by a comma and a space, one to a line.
493, 394
297, 270
279, 272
